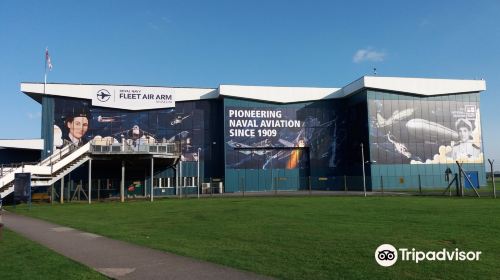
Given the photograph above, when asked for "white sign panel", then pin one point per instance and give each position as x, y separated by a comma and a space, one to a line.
132, 97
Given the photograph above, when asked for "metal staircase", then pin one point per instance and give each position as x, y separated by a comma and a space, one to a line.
49, 180
70, 157
49, 170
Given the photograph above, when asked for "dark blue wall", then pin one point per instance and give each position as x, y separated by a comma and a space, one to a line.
317, 154
8, 156
47, 132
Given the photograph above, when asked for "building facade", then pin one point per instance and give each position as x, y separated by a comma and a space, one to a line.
250, 138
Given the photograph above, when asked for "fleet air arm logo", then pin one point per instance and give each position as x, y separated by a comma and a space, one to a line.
103, 95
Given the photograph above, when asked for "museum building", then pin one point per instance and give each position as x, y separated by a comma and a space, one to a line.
376, 132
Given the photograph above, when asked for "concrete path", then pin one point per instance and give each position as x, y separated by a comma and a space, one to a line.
117, 259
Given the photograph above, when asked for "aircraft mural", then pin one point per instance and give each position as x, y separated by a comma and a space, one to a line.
288, 145
425, 133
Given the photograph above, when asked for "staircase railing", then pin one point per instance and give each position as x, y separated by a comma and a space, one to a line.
47, 167
169, 148
70, 157
8, 168
60, 154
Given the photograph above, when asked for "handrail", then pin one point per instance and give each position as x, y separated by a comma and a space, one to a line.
70, 157
17, 164
51, 160
129, 148
67, 149
6, 169
58, 175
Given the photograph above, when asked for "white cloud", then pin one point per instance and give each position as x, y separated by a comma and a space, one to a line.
368, 54
36, 115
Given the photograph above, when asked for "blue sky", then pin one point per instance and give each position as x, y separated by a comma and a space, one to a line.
207, 43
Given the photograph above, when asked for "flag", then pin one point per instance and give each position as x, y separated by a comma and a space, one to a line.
47, 59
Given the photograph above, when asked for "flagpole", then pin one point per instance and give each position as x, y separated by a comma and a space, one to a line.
45, 73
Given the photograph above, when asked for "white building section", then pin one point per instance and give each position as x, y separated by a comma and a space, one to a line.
277, 94
141, 97
416, 86
28, 144
122, 97
422, 86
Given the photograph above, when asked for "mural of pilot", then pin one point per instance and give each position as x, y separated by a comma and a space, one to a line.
465, 148
77, 123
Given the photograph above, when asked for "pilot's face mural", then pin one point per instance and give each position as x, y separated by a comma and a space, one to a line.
78, 127
464, 134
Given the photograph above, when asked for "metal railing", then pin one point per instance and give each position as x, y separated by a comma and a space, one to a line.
100, 147
395, 185
8, 168
59, 154
65, 151
306, 186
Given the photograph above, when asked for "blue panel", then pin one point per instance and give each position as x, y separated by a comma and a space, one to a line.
474, 179
231, 181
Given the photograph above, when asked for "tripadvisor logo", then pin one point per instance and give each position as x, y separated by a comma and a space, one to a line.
387, 255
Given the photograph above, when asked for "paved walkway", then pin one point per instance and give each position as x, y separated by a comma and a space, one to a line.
117, 259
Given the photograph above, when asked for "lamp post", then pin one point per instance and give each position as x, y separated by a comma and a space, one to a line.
199, 150
363, 162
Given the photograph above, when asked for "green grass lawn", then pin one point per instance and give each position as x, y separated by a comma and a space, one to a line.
21, 258
302, 237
